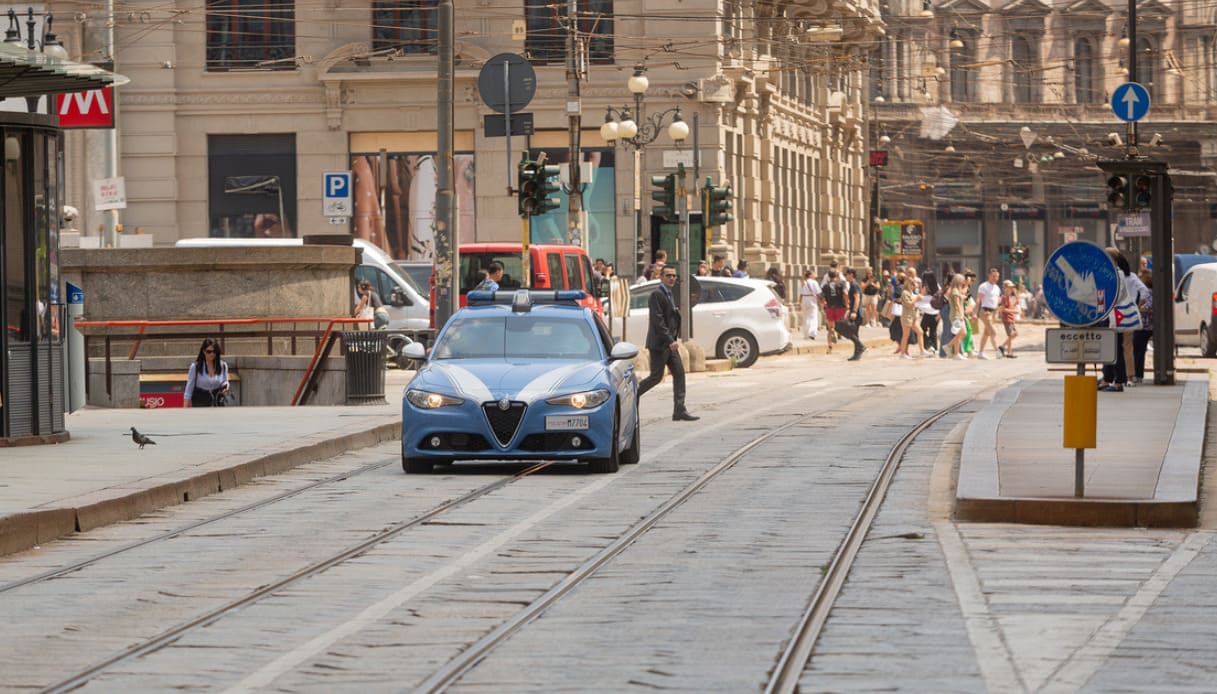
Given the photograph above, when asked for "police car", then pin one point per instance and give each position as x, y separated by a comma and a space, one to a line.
522, 375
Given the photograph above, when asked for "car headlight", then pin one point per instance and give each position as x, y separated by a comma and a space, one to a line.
425, 400
588, 398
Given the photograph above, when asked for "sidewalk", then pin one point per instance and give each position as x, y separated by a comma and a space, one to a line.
1145, 471
101, 476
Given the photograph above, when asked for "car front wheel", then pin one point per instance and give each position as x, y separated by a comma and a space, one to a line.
633, 454
740, 347
1208, 346
613, 462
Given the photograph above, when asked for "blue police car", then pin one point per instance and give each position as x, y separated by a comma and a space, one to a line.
522, 375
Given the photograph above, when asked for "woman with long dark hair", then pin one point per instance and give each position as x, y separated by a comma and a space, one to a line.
207, 382
929, 314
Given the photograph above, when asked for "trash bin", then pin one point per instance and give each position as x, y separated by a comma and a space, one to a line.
365, 363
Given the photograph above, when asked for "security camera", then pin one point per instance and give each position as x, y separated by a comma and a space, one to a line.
1114, 139
70, 214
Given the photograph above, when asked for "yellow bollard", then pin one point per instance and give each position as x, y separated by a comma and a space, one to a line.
1081, 412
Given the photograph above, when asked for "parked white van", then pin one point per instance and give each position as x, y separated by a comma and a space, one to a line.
1196, 309
408, 307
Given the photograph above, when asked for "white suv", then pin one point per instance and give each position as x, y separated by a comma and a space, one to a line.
740, 319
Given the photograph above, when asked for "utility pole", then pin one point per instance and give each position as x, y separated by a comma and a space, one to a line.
575, 232
110, 140
684, 267
447, 242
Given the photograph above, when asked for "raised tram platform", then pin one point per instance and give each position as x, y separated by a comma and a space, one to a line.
1144, 473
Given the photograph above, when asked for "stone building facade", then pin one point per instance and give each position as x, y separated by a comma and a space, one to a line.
236, 108
1020, 92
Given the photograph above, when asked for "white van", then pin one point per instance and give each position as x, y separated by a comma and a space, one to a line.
1196, 309
408, 307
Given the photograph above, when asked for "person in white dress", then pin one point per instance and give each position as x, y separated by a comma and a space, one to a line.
809, 301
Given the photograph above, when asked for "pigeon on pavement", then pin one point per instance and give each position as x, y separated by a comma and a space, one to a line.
141, 439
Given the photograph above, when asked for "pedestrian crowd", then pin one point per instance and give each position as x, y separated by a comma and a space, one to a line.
951, 319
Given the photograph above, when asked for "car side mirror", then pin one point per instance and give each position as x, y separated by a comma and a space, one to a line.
414, 350
623, 350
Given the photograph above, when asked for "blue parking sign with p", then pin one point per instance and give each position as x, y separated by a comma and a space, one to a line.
336, 193
338, 185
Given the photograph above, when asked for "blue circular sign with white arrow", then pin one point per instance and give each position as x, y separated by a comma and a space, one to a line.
1080, 283
1130, 102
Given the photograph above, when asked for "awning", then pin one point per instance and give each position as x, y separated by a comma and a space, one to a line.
29, 73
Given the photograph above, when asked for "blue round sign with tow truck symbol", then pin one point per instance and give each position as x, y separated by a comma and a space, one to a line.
1080, 283
1130, 102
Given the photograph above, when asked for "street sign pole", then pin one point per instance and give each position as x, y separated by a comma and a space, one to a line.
1163, 253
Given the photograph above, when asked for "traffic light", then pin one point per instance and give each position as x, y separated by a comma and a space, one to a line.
526, 187
716, 205
1018, 255
1117, 192
665, 195
536, 184
547, 186
1142, 193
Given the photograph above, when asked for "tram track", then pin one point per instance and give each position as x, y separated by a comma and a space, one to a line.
790, 665
793, 660
212, 615
452, 671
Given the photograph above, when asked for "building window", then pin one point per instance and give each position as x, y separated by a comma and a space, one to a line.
1147, 64
963, 76
406, 25
1208, 61
547, 31
250, 35
1086, 85
252, 185
1025, 56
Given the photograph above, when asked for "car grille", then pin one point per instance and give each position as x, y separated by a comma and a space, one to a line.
504, 422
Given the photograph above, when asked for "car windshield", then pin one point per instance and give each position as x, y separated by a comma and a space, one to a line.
517, 336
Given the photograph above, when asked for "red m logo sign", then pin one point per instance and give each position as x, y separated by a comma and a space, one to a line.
89, 109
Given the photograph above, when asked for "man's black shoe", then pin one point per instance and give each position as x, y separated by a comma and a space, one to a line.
684, 417
856, 357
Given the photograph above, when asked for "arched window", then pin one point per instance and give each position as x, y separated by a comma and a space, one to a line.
1086, 86
1147, 63
963, 79
1025, 57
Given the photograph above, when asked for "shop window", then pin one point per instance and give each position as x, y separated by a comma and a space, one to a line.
545, 43
252, 185
406, 25
251, 35
406, 230
17, 316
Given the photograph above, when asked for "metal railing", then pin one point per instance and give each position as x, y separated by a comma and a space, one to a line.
224, 329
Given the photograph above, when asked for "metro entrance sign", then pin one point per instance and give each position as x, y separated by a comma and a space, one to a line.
1080, 283
88, 109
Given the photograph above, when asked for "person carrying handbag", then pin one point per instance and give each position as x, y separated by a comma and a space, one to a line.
207, 380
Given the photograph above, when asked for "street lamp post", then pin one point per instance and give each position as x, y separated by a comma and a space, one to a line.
620, 126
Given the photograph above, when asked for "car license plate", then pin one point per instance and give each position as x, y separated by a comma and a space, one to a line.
565, 422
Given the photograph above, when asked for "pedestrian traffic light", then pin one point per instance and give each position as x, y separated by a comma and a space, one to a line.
1117, 192
1018, 255
1142, 193
665, 195
547, 186
716, 204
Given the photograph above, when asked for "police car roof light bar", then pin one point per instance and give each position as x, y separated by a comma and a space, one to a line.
522, 300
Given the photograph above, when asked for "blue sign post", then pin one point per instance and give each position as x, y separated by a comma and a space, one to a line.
1130, 102
1080, 283
336, 199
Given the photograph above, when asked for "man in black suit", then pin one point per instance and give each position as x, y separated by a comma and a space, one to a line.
663, 342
